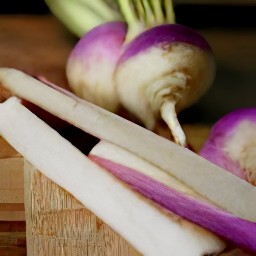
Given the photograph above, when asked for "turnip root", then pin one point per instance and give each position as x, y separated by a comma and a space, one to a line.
163, 71
119, 155
148, 228
153, 69
232, 144
195, 171
234, 229
92, 62
136, 172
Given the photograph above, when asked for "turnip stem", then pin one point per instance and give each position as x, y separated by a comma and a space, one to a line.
156, 4
169, 11
141, 10
81, 16
149, 17
169, 115
102, 8
144, 14
134, 24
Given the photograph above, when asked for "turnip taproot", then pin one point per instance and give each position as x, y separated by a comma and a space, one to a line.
232, 143
155, 69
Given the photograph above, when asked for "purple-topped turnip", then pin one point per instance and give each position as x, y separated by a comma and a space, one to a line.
92, 62
162, 71
154, 69
232, 143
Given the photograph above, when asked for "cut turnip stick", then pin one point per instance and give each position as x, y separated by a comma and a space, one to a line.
146, 226
219, 186
119, 155
239, 231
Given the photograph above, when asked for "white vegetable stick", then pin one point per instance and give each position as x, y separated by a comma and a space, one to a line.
121, 156
149, 229
219, 186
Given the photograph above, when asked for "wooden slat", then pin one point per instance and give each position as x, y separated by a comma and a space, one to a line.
12, 215
11, 173
12, 212
11, 184
7, 151
58, 224
11, 196
12, 226
14, 207
13, 243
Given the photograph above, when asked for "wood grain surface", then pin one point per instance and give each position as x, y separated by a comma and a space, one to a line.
38, 45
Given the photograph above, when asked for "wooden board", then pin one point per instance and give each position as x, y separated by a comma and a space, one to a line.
12, 211
11, 184
58, 224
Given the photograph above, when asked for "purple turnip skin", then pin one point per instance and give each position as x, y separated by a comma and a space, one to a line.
236, 230
91, 64
162, 71
169, 33
232, 144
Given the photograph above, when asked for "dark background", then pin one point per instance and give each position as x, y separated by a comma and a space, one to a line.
195, 15
23, 7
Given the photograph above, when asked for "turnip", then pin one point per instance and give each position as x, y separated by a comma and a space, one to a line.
239, 231
92, 62
123, 164
153, 69
193, 170
142, 223
119, 155
232, 143
164, 70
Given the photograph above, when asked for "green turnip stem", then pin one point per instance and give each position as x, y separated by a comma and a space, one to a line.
169, 115
81, 16
144, 14
158, 11
149, 15
169, 11
102, 8
135, 27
